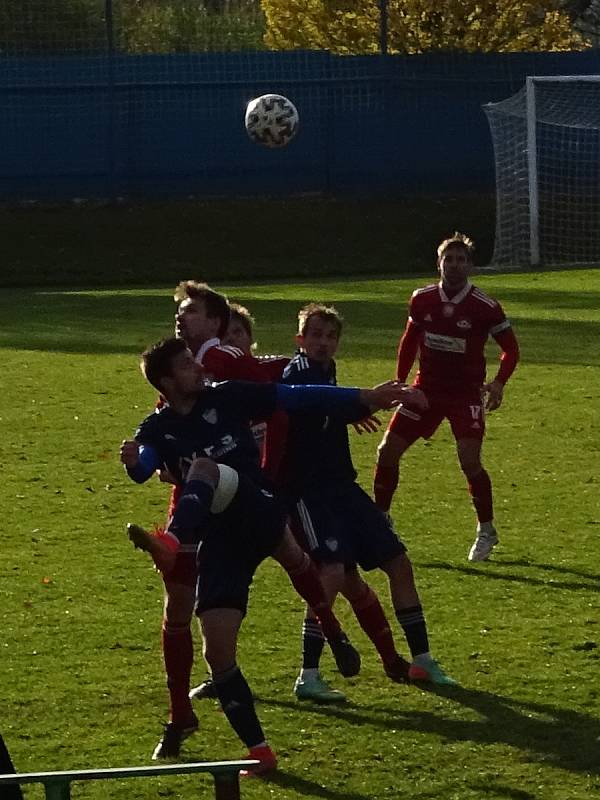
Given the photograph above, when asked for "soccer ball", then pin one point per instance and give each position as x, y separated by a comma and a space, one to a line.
271, 120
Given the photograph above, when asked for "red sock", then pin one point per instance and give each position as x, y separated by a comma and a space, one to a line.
374, 623
178, 654
480, 488
384, 485
305, 580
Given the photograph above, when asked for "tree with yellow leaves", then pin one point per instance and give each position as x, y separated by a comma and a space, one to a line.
417, 26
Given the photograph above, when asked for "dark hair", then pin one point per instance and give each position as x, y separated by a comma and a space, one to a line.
157, 360
326, 313
216, 304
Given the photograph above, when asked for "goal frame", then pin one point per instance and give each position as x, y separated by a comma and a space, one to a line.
532, 169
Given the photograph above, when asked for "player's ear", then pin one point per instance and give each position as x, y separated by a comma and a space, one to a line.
299, 340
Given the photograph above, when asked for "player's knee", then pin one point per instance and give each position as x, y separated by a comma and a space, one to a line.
357, 591
390, 450
204, 469
399, 568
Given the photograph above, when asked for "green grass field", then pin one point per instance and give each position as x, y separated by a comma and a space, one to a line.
81, 674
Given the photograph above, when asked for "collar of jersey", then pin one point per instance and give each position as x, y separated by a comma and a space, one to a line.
458, 298
215, 342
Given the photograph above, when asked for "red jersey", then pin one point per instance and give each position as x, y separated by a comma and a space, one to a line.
450, 335
226, 363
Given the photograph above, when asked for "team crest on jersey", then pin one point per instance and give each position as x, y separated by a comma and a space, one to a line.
464, 324
210, 415
427, 318
448, 310
332, 544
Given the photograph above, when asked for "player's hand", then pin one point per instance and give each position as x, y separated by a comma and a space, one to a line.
493, 393
384, 395
129, 453
415, 397
368, 424
165, 476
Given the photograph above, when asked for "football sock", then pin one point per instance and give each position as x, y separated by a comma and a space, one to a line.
178, 654
384, 485
313, 643
191, 511
372, 620
415, 629
238, 705
480, 488
305, 580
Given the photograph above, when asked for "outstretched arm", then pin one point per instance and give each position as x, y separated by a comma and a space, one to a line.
334, 398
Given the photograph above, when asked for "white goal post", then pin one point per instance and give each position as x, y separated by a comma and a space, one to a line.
546, 140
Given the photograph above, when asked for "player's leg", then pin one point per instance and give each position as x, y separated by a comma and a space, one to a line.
410, 615
305, 580
372, 619
378, 546
220, 628
406, 426
467, 419
178, 655
387, 468
208, 488
309, 684
238, 541
6, 768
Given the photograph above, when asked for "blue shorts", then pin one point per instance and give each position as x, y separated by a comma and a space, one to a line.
235, 544
343, 525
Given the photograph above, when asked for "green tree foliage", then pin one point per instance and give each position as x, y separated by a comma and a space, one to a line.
51, 26
417, 26
187, 26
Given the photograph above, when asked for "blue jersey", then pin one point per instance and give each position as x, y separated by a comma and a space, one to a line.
217, 427
317, 451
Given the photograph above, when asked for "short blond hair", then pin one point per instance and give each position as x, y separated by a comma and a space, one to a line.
326, 313
457, 239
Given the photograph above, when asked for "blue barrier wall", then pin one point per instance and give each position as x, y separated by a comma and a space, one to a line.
158, 125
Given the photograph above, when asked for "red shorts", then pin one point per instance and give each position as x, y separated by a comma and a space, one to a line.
185, 570
466, 415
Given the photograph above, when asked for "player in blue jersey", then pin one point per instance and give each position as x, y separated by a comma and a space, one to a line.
339, 522
203, 439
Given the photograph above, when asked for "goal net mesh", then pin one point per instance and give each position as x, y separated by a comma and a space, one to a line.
560, 199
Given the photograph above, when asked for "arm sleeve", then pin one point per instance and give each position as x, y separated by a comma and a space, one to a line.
149, 462
407, 350
322, 398
510, 354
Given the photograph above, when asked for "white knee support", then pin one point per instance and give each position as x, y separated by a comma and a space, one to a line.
226, 489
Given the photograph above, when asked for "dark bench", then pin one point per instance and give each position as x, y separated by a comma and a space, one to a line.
226, 775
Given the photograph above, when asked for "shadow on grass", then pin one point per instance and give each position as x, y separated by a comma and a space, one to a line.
114, 322
543, 733
494, 570
287, 780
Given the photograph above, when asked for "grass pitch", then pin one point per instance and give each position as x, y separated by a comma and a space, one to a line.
82, 681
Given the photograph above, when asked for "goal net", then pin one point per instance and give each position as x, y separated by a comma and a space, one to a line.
546, 142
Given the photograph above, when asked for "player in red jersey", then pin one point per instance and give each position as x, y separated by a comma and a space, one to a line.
448, 325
